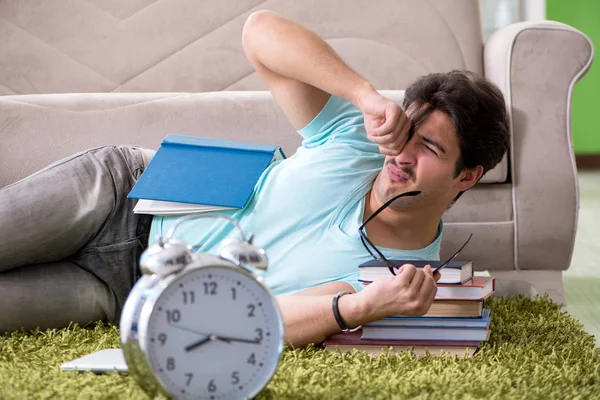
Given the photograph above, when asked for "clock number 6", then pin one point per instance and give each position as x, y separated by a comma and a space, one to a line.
211, 386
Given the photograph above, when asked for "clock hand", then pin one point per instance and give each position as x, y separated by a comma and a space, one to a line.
207, 337
200, 342
214, 337
231, 339
183, 328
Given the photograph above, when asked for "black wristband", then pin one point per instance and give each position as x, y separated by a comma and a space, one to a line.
338, 317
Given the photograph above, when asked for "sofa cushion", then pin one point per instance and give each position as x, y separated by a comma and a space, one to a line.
191, 46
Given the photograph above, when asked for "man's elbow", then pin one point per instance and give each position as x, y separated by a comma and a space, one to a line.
254, 23
299, 341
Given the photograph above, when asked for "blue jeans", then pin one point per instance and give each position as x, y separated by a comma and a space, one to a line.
69, 240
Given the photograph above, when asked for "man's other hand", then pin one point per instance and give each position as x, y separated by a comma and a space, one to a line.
385, 122
410, 292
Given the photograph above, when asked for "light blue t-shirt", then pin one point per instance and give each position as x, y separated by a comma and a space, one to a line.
305, 210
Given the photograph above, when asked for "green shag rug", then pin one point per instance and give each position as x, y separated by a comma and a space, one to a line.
535, 351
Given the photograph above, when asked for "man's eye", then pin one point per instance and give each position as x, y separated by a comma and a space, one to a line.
430, 149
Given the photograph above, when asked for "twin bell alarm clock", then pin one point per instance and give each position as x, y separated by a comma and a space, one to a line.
202, 326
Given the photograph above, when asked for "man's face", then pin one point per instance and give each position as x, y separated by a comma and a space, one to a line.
427, 163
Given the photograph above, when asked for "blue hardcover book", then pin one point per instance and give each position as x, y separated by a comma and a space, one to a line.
456, 272
191, 174
482, 322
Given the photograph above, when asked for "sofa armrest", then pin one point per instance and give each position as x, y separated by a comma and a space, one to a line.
536, 65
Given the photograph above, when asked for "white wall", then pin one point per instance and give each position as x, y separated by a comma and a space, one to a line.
498, 13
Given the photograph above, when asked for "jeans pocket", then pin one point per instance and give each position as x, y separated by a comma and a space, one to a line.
117, 265
116, 247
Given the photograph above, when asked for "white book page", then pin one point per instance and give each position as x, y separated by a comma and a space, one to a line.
156, 207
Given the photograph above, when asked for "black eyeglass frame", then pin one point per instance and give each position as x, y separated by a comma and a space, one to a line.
364, 239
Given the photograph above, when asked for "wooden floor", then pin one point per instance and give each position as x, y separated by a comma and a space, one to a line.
582, 279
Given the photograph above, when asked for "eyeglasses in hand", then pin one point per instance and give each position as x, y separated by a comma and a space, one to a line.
378, 255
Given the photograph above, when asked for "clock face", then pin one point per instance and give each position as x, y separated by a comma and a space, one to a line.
214, 333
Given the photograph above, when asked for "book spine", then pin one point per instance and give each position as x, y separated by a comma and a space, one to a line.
182, 140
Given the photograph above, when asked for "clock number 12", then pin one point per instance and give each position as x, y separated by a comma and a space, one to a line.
210, 287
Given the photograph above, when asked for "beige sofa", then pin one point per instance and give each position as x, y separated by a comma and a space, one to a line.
84, 74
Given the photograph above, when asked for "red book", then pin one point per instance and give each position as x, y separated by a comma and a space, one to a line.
478, 288
346, 342
356, 338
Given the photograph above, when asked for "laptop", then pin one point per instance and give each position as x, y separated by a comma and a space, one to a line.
107, 360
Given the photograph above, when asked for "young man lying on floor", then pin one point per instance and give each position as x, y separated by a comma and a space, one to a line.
74, 255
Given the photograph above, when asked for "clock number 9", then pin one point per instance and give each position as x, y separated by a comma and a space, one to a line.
162, 338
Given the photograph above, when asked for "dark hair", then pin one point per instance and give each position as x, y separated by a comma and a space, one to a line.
476, 108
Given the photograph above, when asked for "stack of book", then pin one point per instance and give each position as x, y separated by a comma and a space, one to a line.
455, 324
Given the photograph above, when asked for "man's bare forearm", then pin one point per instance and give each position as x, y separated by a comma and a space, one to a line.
293, 51
308, 315
309, 318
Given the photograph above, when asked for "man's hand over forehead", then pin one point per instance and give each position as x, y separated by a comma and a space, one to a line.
385, 122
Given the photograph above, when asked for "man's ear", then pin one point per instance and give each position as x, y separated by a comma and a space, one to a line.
469, 177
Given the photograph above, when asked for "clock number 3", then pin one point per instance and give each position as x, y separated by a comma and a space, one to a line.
259, 333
